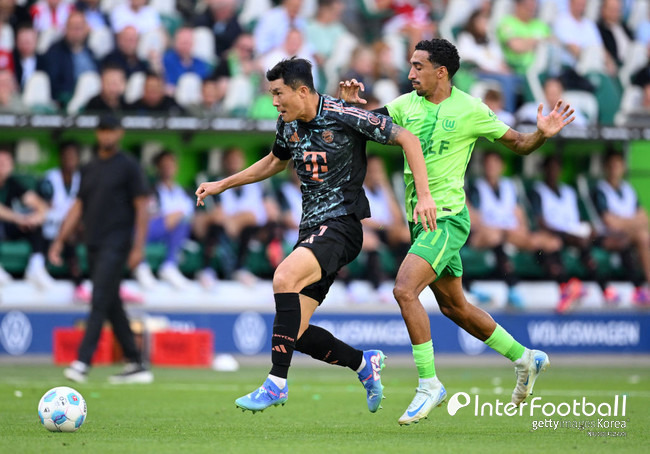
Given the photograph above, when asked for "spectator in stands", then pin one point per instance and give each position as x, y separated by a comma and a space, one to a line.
273, 27
476, 48
154, 101
135, 13
409, 18
50, 14
623, 216
14, 15
617, 37
125, 53
213, 92
553, 92
22, 213
499, 222
25, 58
179, 60
577, 33
556, 207
294, 45
95, 17
240, 59
169, 223
642, 32
67, 58
220, 16
520, 34
111, 97
59, 188
10, 100
494, 100
237, 218
325, 29
362, 67
386, 227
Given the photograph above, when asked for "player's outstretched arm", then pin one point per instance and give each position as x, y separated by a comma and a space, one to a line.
261, 170
547, 127
425, 208
349, 91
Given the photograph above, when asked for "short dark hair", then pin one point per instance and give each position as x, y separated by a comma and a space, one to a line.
112, 66
66, 144
294, 72
157, 159
551, 159
6, 147
490, 153
612, 153
441, 52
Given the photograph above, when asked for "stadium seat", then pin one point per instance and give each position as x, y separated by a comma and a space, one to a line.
639, 12
107, 5
632, 96
88, 85
6, 37
204, 44
537, 68
592, 60
28, 152
134, 87
385, 90
592, 10
635, 58
37, 91
100, 41
585, 102
164, 7
240, 95
500, 9
585, 191
456, 14
46, 38
188, 89
336, 62
152, 41
547, 12
252, 10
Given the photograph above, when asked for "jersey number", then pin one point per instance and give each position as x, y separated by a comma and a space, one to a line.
310, 240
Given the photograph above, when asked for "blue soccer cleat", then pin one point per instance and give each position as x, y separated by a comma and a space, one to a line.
528, 368
263, 397
370, 377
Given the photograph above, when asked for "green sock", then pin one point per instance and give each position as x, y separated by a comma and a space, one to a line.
502, 342
423, 356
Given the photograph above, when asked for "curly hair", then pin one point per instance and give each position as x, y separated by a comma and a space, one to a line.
441, 52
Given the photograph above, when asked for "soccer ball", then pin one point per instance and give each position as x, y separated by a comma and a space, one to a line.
62, 409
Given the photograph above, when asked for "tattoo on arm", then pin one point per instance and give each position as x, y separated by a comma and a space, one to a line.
394, 132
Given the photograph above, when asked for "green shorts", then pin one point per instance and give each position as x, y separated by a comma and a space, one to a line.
441, 247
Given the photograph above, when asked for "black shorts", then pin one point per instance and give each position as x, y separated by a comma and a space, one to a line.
335, 243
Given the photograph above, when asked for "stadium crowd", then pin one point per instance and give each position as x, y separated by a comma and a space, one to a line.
208, 59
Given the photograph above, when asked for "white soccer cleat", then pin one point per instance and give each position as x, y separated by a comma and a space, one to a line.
528, 368
426, 398
76, 372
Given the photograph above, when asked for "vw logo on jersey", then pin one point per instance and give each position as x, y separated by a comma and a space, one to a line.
249, 333
15, 333
448, 124
469, 344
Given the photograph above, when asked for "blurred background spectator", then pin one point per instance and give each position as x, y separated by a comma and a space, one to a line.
125, 52
154, 100
273, 27
25, 59
10, 100
220, 16
111, 97
135, 13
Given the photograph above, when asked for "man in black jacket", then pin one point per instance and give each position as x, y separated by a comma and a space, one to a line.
67, 58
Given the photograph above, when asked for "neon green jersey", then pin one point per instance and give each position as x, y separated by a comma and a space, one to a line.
447, 133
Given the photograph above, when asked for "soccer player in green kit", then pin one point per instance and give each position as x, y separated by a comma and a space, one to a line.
448, 122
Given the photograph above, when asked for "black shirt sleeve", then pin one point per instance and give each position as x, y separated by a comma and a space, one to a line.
280, 149
381, 111
375, 127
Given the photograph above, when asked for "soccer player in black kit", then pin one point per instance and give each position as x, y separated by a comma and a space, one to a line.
112, 200
326, 139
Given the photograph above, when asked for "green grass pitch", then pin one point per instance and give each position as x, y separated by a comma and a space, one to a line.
193, 411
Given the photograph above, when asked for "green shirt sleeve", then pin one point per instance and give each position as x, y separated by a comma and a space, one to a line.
486, 123
396, 107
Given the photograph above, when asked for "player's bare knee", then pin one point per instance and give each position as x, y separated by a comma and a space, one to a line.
403, 293
284, 282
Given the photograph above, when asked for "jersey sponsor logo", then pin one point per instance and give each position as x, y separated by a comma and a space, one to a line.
448, 124
312, 164
328, 136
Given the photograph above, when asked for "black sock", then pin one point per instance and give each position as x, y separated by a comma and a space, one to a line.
285, 330
320, 344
